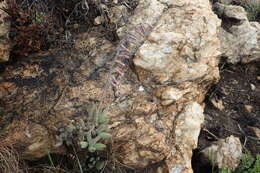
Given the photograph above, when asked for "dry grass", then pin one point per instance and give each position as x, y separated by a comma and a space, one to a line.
9, 161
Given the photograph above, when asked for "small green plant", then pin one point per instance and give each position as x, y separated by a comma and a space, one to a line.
92, 140
98, 130
39, 16
253, 9
212, 159
248, 164
225, 170
87, 133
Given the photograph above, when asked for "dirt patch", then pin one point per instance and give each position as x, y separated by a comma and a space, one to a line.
232, 108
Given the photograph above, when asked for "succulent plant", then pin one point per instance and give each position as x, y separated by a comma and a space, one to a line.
98, 131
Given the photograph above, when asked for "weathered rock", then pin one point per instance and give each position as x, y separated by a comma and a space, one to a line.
240, 39
155, 109
256, 131
226, 153
5, 44
181, 49
186, 132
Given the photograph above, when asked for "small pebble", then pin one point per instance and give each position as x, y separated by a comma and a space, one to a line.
141, 88
252, 86
249, 108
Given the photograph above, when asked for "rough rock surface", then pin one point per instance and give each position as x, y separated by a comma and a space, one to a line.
4, 31
155, 110
240, 39
225, 153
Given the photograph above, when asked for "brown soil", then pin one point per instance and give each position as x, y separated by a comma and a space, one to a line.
239, 90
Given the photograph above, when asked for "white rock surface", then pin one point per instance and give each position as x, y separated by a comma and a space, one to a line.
183, 43
172, 94
240, 39
187, 129
226, 153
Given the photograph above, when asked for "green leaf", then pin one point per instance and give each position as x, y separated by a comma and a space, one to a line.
91, 149
225, 170
102, 117
256, 167
83, 144
99, 146
104, 135
100, 165
90, 140
102, 128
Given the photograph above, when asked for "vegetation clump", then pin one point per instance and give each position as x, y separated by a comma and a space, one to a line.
88, 135
248, 164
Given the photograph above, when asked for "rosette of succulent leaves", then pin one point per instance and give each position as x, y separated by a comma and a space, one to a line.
98, 129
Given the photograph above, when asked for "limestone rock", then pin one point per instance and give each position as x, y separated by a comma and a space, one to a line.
226, 153
187, 129
240, 39
179, 48
5, 45
155, 109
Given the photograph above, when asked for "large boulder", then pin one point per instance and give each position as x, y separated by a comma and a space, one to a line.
240, 39
155, 108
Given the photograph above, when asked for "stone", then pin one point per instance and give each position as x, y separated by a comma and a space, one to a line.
169, 54
240, 39
256, 131
225, 153
155, 109
172, 94
252, 86
218, 103
249, 108
186, 132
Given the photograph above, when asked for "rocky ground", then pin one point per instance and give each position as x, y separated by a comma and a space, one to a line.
181, 80
232, 109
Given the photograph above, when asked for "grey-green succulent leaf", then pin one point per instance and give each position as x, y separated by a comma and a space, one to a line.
83, 144
102, 128
100, 165
99, 146
91, 149
104, 135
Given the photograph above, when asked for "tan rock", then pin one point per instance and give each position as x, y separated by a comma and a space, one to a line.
226, 153
218, 103
176, 61
172, 94
168, 53
256, 131
240, 40
98, 20
249, 108
187, 129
